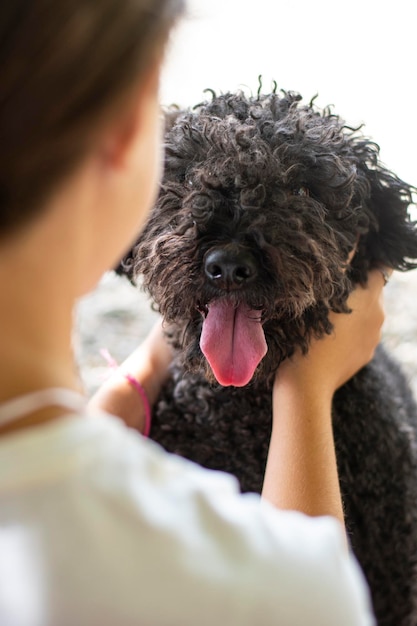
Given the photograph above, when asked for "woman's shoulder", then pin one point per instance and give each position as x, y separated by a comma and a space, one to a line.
181, 534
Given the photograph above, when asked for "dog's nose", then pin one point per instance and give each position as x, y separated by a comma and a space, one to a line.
230, 268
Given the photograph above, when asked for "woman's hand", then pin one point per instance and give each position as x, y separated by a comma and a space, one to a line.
149, 365
301, 471
335, 358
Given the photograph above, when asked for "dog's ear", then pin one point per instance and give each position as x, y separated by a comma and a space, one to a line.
392, 237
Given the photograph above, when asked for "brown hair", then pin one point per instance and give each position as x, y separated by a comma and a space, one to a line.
65, 65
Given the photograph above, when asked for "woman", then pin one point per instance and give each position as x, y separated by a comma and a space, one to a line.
98, 525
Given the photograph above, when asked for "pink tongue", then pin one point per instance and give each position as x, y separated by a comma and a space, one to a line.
233, 342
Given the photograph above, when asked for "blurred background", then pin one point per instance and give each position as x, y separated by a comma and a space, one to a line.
358, 56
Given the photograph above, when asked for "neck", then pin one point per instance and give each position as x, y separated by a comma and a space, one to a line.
36, 316
36, 350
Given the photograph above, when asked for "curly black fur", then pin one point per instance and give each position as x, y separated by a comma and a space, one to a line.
305, 199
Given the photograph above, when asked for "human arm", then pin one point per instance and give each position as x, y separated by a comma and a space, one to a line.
148, 364
301, 471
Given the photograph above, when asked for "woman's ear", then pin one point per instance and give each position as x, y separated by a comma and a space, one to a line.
116, 147
123, 176
131, 124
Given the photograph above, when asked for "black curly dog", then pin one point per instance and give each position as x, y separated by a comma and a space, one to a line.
262, 204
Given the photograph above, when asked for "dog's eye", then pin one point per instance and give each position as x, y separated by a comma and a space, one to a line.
301, 191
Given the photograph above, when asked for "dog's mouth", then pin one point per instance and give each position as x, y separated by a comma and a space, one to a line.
232, 340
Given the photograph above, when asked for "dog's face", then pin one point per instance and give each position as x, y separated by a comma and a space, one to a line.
269, 213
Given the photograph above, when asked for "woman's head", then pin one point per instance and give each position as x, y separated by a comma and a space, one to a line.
66, 68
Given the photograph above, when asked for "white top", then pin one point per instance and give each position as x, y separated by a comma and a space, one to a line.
100, 527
